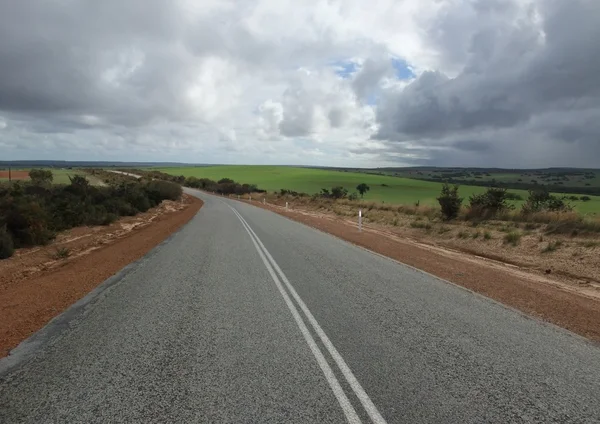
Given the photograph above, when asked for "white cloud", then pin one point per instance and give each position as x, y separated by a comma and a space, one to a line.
255, 81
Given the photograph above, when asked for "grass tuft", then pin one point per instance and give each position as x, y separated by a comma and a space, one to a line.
513, 238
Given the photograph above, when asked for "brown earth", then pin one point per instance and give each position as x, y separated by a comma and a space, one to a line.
15, 175
37, 284
567, 301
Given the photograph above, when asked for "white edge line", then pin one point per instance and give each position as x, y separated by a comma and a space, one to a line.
350, 378
339, 393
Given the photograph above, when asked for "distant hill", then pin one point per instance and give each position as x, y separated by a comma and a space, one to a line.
86, 164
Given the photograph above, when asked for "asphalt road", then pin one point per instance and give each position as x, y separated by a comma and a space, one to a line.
244, 316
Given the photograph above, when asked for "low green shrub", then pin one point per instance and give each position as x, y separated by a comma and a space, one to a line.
7, 247
31, 214
513, 238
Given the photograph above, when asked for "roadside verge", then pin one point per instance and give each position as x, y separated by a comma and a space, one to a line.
37, 285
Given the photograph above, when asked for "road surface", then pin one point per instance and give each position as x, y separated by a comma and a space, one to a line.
244, 316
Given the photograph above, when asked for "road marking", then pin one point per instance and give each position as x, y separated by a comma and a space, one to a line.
365, 400
349, 411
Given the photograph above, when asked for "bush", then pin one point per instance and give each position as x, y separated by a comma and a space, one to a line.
353, 196
487, 205
27, 222
449, 202
61, 253
513, 238
585, 198
41, 176
541, 200
31, 214
163, 190
338, 192
7, 247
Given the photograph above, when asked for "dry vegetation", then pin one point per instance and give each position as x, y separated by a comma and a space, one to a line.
559, 243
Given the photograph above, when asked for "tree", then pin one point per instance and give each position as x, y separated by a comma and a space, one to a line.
362, 189
41, 176
338, 192
449, 201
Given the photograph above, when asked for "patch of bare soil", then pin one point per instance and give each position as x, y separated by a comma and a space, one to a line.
15, 175
558, 286
39, 283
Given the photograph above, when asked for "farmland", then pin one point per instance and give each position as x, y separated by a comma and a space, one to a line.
60, 176
384, 188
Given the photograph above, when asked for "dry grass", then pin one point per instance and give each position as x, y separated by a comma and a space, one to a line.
513, 238
552, 246
551, 223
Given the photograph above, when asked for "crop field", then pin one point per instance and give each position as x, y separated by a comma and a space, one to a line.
388, 189
558, 177
60, 176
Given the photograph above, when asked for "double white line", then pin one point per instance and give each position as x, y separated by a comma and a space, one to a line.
278, 276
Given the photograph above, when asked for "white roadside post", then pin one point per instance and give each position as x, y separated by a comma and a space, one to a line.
264, 201
360, 220
286, 206
250, 198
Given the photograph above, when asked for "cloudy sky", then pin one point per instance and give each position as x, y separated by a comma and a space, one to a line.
510, 83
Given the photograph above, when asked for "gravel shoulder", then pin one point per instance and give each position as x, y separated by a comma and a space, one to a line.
39, 283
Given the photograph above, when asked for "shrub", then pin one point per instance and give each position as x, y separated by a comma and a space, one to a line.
488, 204
61, 253
422, 225
585, 198
512, 237
443, 230
27, 221
463, 234
7, 247
41, 176
353, 196
338, 192
487, 235
552, 246
163, 190
449, 202
541, 200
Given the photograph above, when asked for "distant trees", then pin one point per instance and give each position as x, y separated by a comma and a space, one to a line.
362, 188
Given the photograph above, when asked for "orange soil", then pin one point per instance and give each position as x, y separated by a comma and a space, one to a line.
15, 175
35, 285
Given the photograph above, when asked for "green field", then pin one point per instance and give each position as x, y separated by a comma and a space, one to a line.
573, 178
61, 176
384, 188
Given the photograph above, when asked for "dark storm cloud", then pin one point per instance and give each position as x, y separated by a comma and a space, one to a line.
517, 81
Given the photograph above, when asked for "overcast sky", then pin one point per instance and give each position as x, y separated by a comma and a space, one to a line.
509, 83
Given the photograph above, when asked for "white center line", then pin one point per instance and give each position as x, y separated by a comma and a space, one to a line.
365, 400
349, 411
